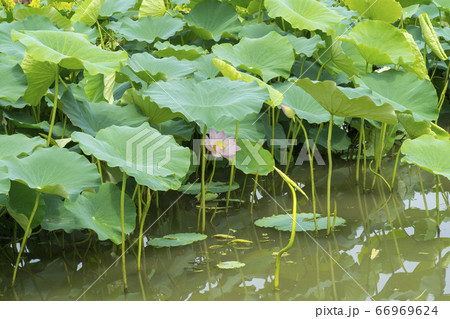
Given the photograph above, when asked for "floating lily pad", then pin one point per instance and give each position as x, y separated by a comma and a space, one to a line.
175, 240
230, 265
214, 187
305, 222
430, 154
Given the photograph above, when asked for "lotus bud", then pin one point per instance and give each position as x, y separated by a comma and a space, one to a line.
290, 113
430, 37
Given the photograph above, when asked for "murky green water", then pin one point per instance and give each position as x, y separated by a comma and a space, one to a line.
387, 250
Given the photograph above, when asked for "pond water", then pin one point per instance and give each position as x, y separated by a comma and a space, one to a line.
387, 250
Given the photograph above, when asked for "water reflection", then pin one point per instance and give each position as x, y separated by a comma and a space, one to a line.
389, 249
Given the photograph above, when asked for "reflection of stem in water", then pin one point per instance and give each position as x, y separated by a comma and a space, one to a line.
122, 223
253, 194
423, 191
203, 190
330, 171
438, 217
141, 284
243, 190
358, 155
318, 273
208, 270
141, 226
333, 280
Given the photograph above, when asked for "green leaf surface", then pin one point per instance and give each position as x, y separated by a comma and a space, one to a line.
211, 20
54, 171
188, 52
154, 160
70, 50
19, 145
253, 158
92, 117
153, 8
268, 57
304, 14
347, 102
214, 187
101, 212
210, 100
111, 7
305, 222
174, 240
49, 12
429, 153
13, 82
386, 10
415, 96
305, 46
88, 12
147, 29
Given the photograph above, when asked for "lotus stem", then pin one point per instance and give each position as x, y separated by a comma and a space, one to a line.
102, 45
203, 203
423, 191
380, 149
25, 237
291, 239
273, 131
321, 68
330, 171
122, 222
233, 166
55, 107
438, 217
291, 150
212, 174
141, 226
243, 189
311, 170
358, 156
253, 194
442, 97
364, 159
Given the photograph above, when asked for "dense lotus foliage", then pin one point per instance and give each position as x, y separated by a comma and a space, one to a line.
106, 105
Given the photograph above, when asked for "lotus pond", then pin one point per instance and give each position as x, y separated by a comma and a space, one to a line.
224, 150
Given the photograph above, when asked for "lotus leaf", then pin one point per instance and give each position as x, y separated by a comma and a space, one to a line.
174, 240
101, 213
230, 265
18, 145
254, 159
49, 12
305, 222
212, 20
147, 29
268, 57
54, 171
111, 7
386, 10
13, 82
304, 14
416, 96
210, 100
188, 52
153, 159
305, 46
347, 102
153, 8
214, 187
88, 12
429, 153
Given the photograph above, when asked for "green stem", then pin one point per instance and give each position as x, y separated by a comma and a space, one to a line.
102, 45
25, 237
233, 164
442, 97
395, 169
291, 150
438, 217
203, 203
291, 239
273, 131
380, 149
141, 226
55, 107
212, 174
321, 68
423, 191
122, 223
330, 170
301, 68
253, 194
358, 156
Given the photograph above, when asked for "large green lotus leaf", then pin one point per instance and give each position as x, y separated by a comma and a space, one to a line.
416, 96
305, 46
258, 30
380, 43
153, 8
49, 12
430, 154
40, 76
210, 100
418, 66
151, 69
99, 87
442, 4
174, 240
88, 12
149, 108
386, 10
418, 128
304, 14
304, 105
250, 128
92, 117
230, 72
84, 28
347, 102
147, 29
56, 171
111, 7
253, 158
57, 216
5, 184
188, 52
18, 145
230, 265
20, 204
13, 82
205, 67
154, 160
179, 128
211, 20
268, 57
70, 50
101, 212
214, 187
304, 221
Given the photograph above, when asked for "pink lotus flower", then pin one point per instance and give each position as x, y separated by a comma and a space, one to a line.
220, 145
